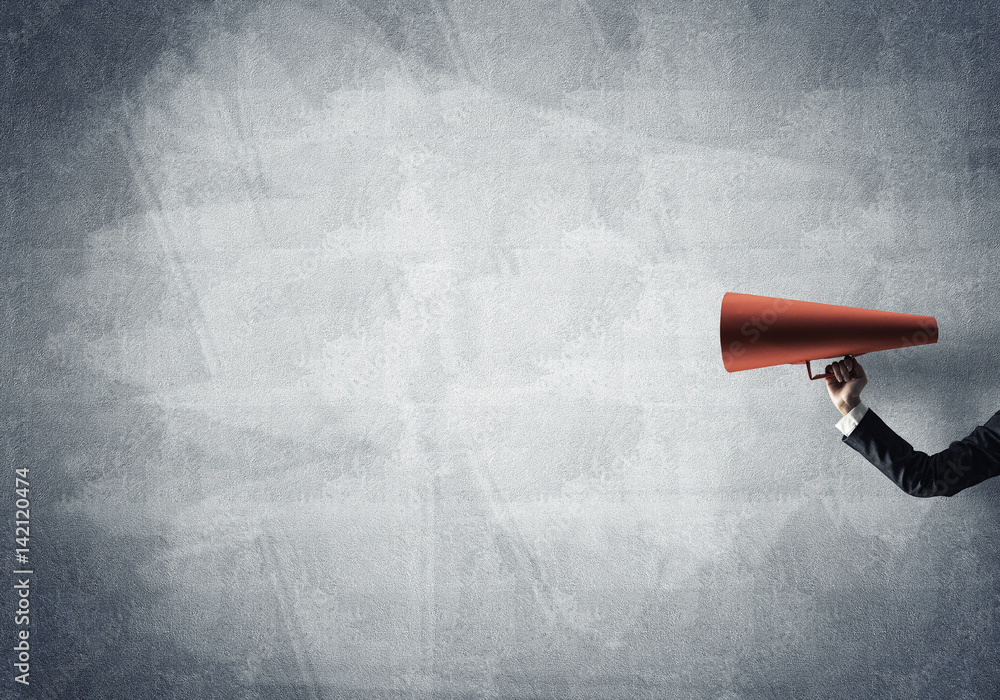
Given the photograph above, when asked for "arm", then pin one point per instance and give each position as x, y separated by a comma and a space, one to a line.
964, 463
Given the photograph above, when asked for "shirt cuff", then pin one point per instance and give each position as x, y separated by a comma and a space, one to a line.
849, 422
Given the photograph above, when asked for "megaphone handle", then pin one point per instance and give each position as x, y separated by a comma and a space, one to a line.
818, 376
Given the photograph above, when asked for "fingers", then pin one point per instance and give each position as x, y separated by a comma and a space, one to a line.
859, 371
831, 380
847, 369
834, 368
839, 372
842, 370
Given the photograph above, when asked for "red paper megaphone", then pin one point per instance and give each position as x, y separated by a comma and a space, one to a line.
766, 331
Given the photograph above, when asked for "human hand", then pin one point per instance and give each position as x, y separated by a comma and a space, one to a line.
845, 385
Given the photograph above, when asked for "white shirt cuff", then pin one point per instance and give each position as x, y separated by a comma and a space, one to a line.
848, 423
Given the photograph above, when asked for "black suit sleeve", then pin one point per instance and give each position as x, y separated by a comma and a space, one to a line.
965, 463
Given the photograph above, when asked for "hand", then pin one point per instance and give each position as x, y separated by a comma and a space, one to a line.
845, 385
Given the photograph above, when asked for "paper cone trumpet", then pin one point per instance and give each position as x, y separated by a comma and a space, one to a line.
760, 331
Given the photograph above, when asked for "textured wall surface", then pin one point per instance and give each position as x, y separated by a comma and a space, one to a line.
370, 349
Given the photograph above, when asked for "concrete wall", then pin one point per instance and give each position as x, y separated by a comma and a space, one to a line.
370, 350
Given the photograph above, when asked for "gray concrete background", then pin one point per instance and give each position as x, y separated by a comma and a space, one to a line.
370, 350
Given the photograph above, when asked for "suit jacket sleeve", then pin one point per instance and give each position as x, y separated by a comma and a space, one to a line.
965, 463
